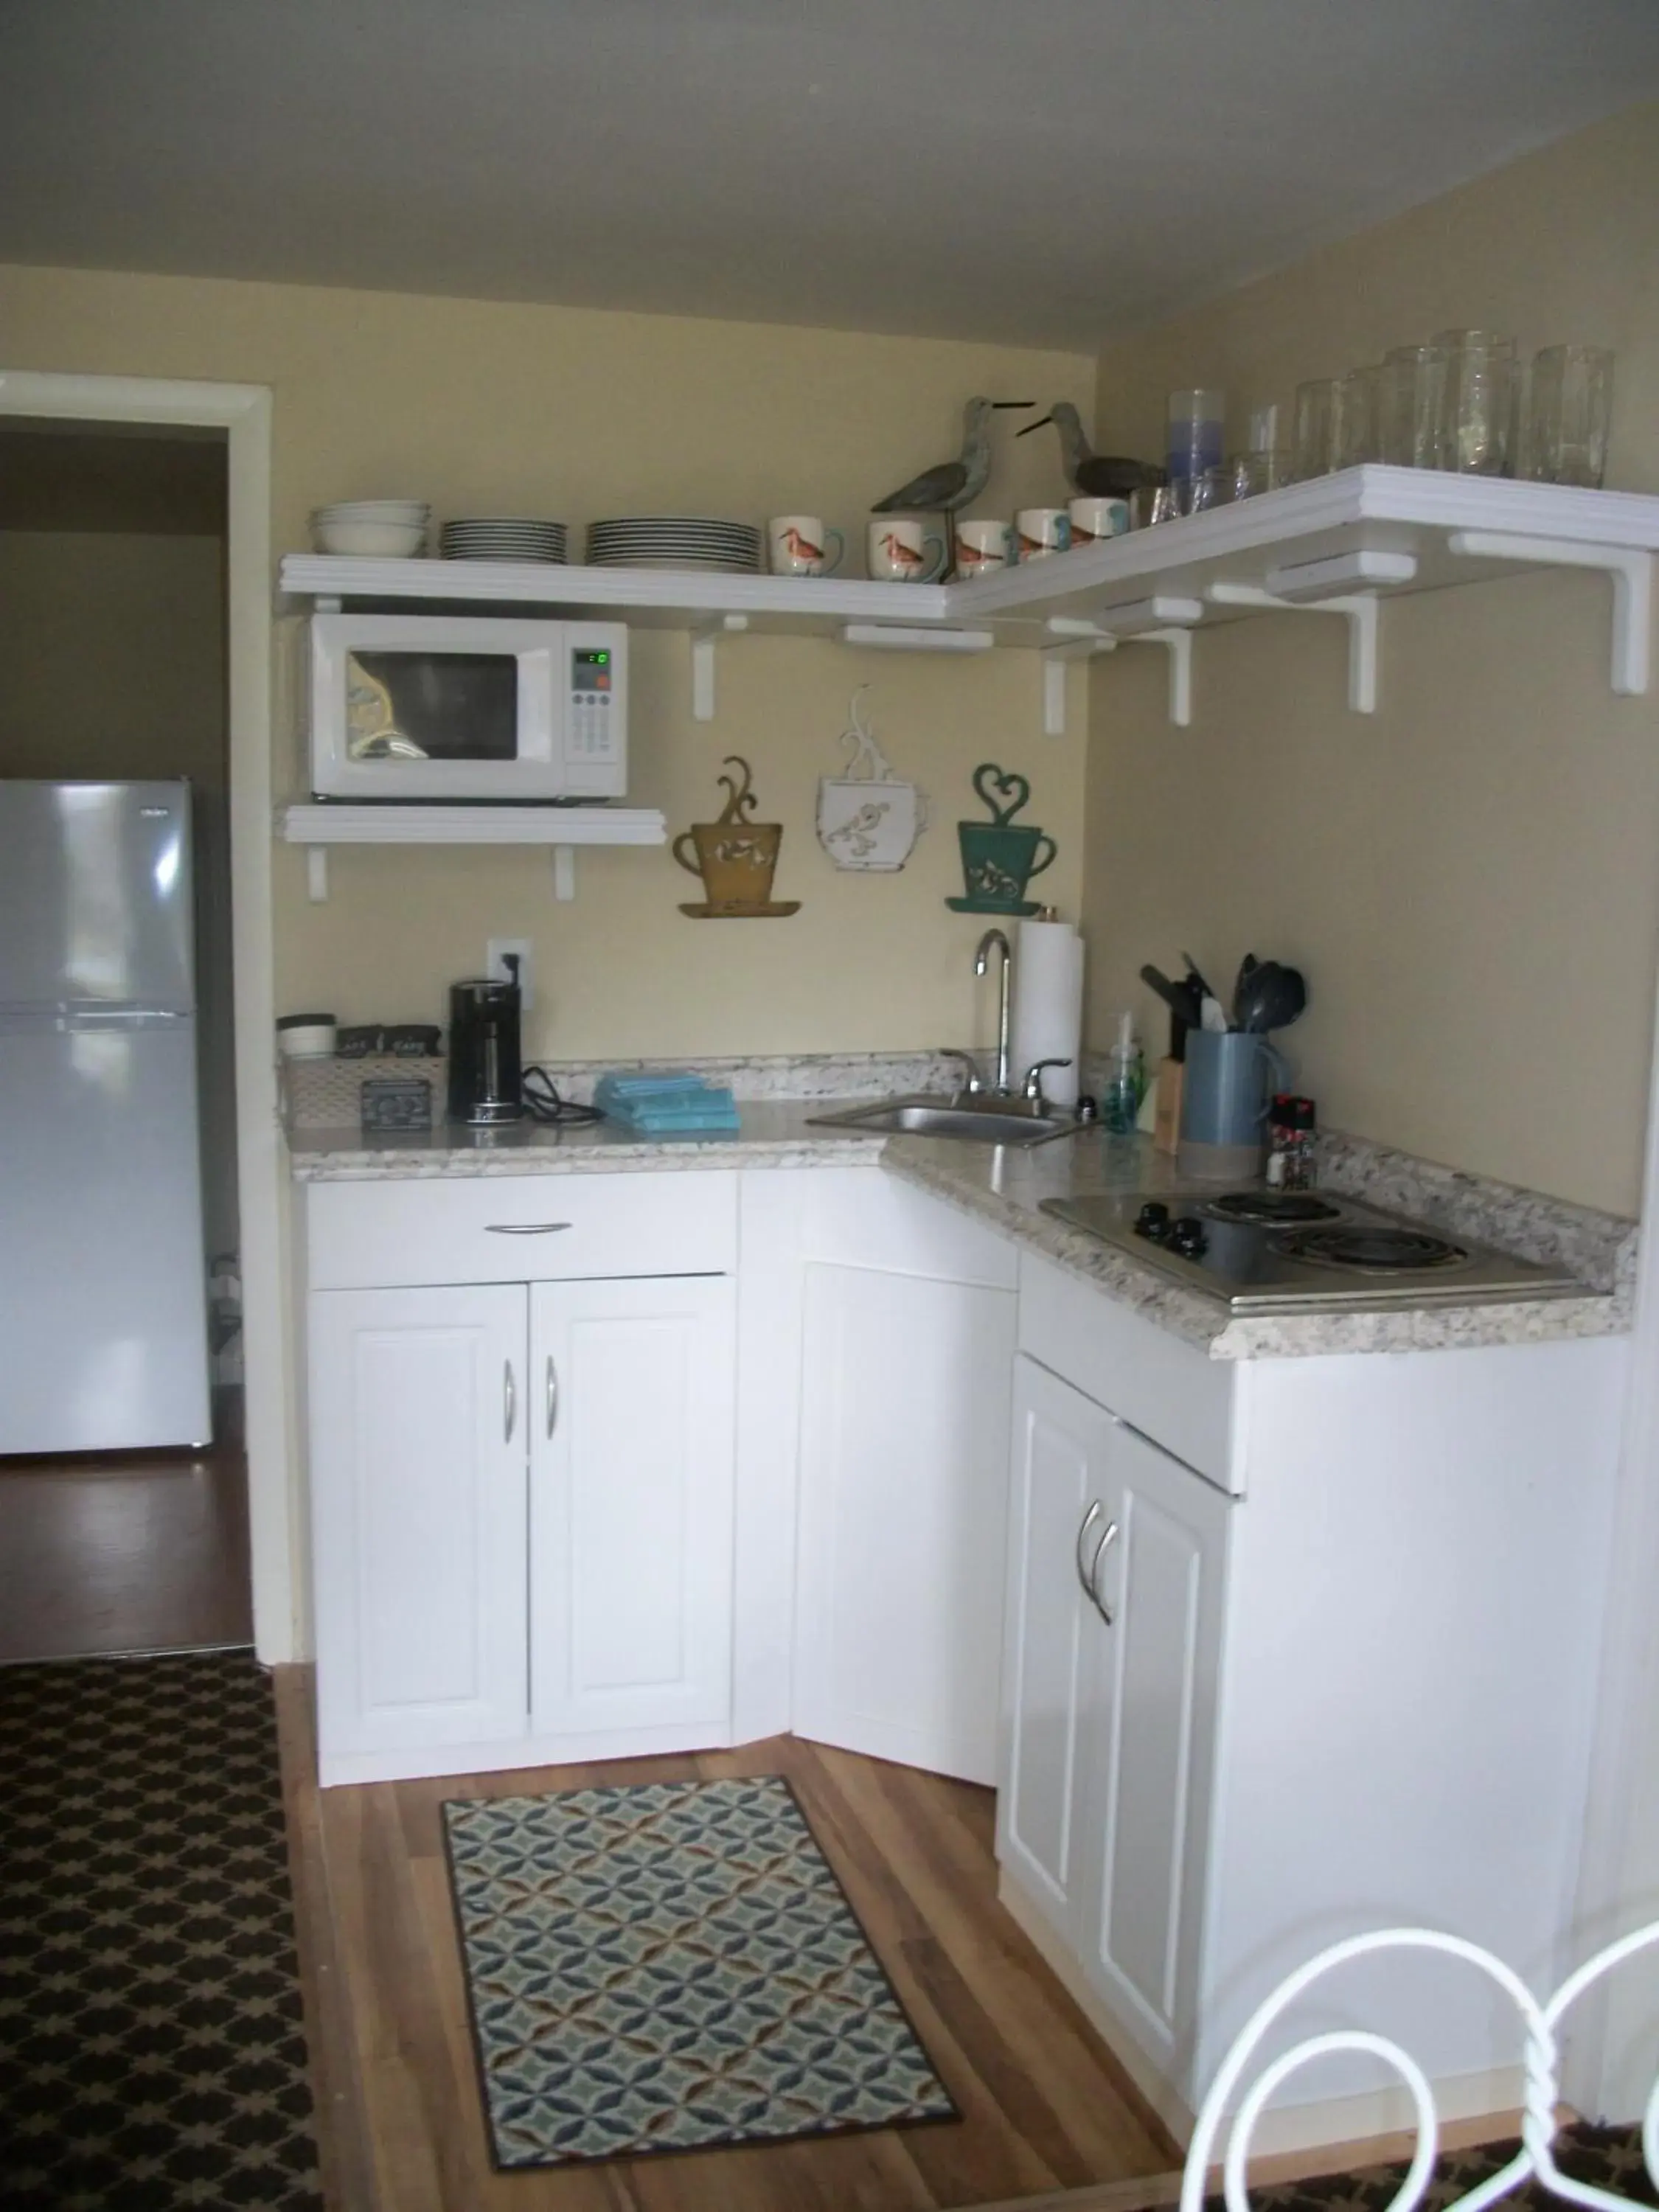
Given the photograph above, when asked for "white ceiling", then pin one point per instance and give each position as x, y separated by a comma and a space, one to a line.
1049, 171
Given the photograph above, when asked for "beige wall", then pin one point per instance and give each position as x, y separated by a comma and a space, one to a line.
113, 663
484, 408
1471, 877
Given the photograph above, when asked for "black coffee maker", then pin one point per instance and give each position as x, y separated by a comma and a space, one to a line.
485, 1076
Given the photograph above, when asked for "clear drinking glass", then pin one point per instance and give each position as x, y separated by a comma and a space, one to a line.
1313, 450
1356, 428
1569, 415
1258, 470
1476, 418
1151, 503
1209, 488
1409, 402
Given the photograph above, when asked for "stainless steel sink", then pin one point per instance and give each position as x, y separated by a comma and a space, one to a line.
973, 1116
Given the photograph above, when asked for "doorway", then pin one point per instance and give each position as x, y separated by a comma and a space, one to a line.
112, 649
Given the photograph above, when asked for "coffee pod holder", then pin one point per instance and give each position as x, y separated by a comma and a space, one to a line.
735, 857
868, 819
1000, 856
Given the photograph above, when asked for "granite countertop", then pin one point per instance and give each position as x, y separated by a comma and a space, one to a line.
1004, 1187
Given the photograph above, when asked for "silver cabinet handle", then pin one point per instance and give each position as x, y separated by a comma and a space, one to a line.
1101, 1607
1084, 1583
552, 1394
510, 1396
525, 1228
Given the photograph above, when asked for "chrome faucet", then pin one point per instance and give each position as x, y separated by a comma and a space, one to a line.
993, 938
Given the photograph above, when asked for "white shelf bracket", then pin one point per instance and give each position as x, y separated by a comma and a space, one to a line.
564, 871
1358, 609
1630, 572
703, 638
1178, 644
1071, 640
317, 874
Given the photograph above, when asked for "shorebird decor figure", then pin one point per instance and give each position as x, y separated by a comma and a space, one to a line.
950, 486
1094, 475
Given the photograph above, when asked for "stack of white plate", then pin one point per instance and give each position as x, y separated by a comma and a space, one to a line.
673, 541
386, 529
504, 537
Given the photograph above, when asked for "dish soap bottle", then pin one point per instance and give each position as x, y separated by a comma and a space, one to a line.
1120, 1102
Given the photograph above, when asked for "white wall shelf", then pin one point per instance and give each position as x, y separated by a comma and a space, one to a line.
1333, 545
562, 827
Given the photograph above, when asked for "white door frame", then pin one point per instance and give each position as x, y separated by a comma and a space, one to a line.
243, 412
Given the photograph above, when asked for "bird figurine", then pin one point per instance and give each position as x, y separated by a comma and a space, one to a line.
950, 486
1096, 476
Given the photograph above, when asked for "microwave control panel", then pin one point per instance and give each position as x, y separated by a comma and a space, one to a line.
596, 724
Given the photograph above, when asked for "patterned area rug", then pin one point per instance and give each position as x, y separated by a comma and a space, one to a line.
151, 2051
1608, 2158
669, 1966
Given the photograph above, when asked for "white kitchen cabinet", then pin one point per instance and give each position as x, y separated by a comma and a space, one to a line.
418, 1504
1348, 1682
875, 1353
1116, 1555
1156, 1648
521, 1488
630, 1511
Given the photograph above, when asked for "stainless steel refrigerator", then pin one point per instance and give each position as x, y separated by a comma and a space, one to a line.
103, 1325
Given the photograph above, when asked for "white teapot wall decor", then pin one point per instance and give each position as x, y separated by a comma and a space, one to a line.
867, 818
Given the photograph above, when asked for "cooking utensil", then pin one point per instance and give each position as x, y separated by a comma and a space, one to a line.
1212, 1018
1246, 969
1195, 977
1272, 997
1181, 999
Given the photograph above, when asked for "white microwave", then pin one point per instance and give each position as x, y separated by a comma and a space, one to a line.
468, 709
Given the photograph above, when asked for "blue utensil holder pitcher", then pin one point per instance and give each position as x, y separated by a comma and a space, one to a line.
1228, 1088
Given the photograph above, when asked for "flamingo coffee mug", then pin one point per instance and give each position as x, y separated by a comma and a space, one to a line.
797, 546
899, 551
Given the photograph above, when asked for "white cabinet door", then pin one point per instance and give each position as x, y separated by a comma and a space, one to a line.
1160, 1580
1057, 1514
631, 1530
418, 1504
903, 1490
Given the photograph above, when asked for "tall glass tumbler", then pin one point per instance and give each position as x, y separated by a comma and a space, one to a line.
1568, 416
1356, 439
1313, 446
1195, 426
1477, 406
1409, 402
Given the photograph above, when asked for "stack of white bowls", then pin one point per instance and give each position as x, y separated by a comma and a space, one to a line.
673, 541
502, 538
383, 529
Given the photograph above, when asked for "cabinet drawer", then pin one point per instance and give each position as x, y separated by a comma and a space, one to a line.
521, 1229
1167, 1389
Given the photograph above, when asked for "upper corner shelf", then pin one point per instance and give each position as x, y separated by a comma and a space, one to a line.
1332, 544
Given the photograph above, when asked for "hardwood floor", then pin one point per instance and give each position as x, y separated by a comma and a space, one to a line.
1046, 2111
123, 1553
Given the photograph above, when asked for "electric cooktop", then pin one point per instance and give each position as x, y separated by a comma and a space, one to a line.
1272, 1251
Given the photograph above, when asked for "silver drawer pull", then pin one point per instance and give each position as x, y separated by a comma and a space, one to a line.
552, 1394
1089, 1520
525, 1228
509, 1401
1101, 1606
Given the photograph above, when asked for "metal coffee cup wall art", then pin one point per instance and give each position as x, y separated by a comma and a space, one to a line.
1000, 856
735, 858
868, 818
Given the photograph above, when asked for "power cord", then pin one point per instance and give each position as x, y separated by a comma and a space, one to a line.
541, 1100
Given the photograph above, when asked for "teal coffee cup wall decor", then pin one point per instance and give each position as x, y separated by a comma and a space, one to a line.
1000, 856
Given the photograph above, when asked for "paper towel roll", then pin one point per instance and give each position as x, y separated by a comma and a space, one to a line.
1048, 1006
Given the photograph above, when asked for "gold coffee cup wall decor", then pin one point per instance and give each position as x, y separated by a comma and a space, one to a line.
735, 858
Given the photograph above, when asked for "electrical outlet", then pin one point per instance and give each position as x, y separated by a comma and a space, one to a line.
495, 959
